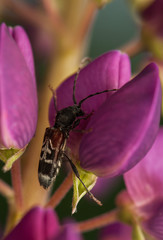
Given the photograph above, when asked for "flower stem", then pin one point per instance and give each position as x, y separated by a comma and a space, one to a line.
98, 222
17, 184
61, 192
88, 16
6, 190
55, 16
133, 48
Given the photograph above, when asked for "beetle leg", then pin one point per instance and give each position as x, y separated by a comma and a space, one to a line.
78, 176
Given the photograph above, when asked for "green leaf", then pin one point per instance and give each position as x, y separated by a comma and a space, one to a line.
89, 180
9, 156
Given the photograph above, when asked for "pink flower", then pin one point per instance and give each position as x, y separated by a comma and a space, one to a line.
124, 124
116, 231
145, 187
18, 96
153, 17
42, 224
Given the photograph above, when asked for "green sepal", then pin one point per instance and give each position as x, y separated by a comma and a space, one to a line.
101, 3
9, 156
79, 191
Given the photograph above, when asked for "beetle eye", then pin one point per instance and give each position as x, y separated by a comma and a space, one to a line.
80, 113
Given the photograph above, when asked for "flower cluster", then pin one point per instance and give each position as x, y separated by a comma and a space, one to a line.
110, 127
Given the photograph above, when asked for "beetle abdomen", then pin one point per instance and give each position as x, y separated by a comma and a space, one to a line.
51, 157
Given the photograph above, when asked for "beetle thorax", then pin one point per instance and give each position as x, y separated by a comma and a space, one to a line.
67, 116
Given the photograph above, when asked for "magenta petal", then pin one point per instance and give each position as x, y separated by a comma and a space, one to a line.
69, 232
149, 172
144, 184
116, 231
18, 97
22, 41
105, 186
38, 224
154, 225
125, 127
110, 70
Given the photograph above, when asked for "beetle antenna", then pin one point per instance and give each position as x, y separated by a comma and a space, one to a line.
83, 62
97, 93
54, 97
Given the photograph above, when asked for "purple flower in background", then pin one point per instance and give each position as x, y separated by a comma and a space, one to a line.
116, 231
124, 124
153, 17
18, 96
68, 232
152, 27
42, 224
145, 187
106, 186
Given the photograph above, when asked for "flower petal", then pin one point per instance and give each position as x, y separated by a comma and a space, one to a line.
116, 231
148, 172
69, 232
105, 187
125, 126
109, 71
18, 97
37, 224
154, 226
22, 41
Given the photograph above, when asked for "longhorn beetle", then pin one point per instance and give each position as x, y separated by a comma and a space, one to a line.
55, 138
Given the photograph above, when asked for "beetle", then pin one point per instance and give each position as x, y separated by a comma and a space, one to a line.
55, 138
